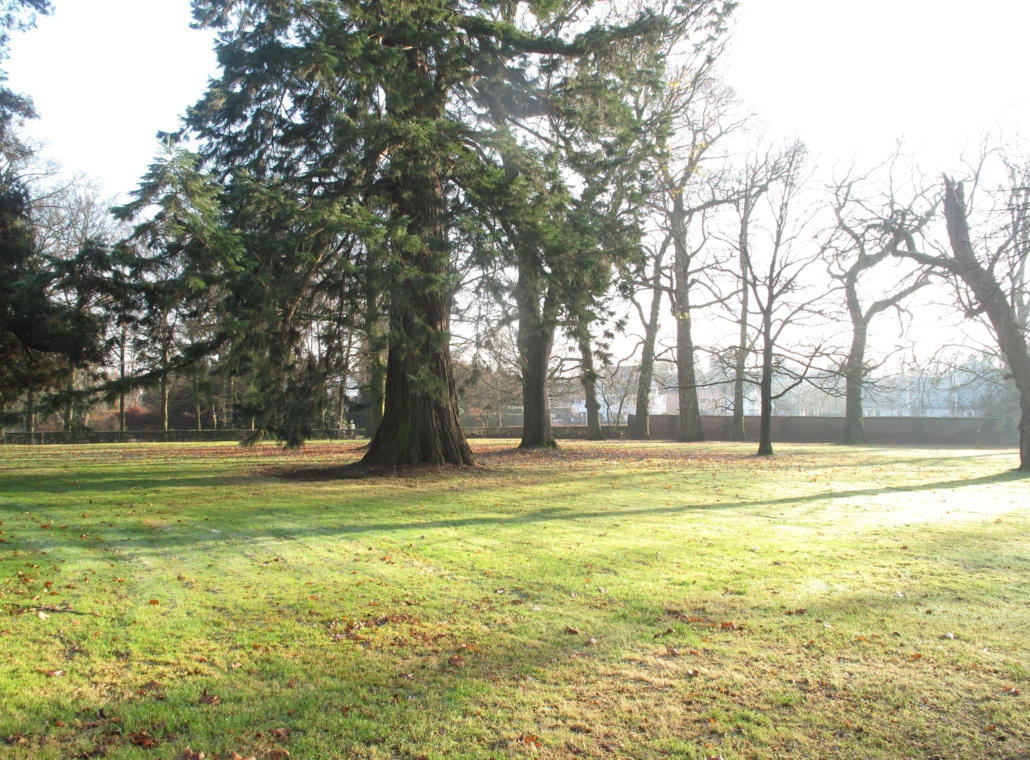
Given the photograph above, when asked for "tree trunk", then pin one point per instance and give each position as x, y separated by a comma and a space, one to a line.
854, 428
992, 300
589, 380
535, 340
164, 389
30, 410
420, 423
690, 427
642, 416
121, 392
737, 432
68, 401
765, 430
375, 369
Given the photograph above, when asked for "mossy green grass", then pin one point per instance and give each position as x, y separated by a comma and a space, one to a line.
603, 600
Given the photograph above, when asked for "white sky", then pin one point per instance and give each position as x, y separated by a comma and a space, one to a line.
844, 76
849, 78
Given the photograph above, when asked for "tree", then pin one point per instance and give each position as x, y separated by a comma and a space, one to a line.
989, 271
774, 275
16, 15
867, 230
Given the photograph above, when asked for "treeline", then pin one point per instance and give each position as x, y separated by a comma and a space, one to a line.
364, 182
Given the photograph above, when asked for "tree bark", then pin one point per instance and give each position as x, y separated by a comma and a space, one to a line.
589, 380
992, 300
69, 387
765, 447
420, 423
121, 393
535, 340
30, 410
690, 426
642, 415
164, 389
854, 428
737, 432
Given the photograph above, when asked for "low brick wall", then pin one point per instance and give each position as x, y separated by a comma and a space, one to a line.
155, 436
883, 431
611, 432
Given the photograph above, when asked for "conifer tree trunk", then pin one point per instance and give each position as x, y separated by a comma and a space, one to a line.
421, 423
589, 380
121, 393
535, 340
70, 385
30, 410
164, 389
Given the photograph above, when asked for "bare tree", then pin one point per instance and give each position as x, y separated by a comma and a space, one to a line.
868, 226
989, 271
774, 276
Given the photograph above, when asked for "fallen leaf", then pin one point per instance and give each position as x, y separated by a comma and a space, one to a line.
693, 673
278, 754
672, 651
457, 661
729, 626
16, 739
530, 740
282, 733
915, 656
153, 601
1012, 691
189, 754
209, 699
143, 739
151, 686
571, 631
238, 756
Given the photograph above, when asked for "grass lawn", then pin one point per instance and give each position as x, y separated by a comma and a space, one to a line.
603, 600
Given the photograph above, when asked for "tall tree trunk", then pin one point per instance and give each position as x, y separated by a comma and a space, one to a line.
854, 428
737, 432
765, 429
421, 422
30, 409
69, 387
642, 416
589, 380
535, 339
991, 298
375, 345
121, 391
690, 426
164, 389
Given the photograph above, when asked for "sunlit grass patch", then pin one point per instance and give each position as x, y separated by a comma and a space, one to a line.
601, 600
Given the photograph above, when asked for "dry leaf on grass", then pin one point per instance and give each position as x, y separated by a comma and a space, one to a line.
209, 699
189, 754
529, 740
571, 631
143, 739
457, 661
